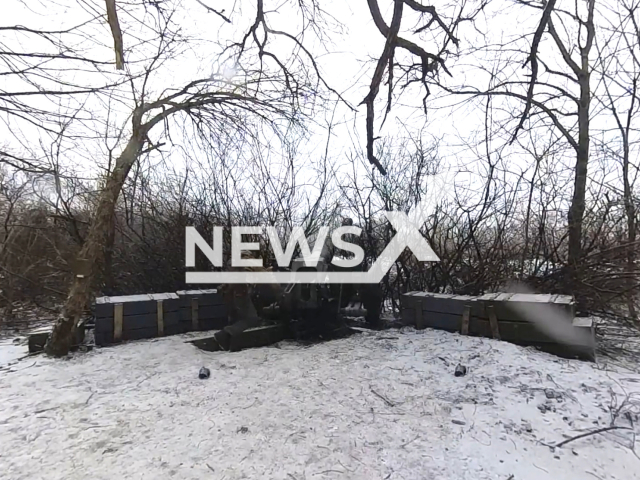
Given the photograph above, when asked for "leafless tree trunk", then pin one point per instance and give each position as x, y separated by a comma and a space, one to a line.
582, 73
618, 58
93, 252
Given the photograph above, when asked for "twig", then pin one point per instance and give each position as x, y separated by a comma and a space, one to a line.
24, 367
587, 434
383, 398
145, 379
597, 476
410, 442
213, 10
31, 354
540, 468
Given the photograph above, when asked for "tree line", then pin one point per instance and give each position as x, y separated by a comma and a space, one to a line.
116, 138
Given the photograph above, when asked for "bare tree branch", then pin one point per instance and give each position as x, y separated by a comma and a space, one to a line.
112, 18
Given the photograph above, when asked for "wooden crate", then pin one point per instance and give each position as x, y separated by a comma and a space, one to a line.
136, 317
507, 316
202, 310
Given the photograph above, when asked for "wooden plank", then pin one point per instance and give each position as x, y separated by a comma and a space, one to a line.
177, 329
205, 297
515, 328
466, 316
139, 322
160, 317
210, 291
136, 304
517, 307
118, 311
122, 299
515, 332
103, 338
419, 322
438, 321
409, 301
488, 297
208, 312
587, 329
408, 316
453, 304
493, 322
504, 308
137, 298
211, 311
140, 334
194, 315
213, 323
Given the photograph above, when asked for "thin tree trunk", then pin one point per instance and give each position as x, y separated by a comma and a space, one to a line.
629, 206
94, 250
631, 253
631, 225
576, 211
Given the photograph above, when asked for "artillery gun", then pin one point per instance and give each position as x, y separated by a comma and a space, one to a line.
316, 311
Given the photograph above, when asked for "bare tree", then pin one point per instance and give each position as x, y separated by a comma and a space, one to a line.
559, 96
619, 65
264, 97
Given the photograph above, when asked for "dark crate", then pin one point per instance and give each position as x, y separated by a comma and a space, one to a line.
202, 310
136, 317
514, 319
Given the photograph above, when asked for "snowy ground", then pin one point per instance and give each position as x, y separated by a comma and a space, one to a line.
374, 406
11, 351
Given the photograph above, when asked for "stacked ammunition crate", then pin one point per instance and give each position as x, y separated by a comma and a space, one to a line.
545, 321
202, 310
137, 317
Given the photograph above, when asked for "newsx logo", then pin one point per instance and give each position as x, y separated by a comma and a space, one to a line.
407, 227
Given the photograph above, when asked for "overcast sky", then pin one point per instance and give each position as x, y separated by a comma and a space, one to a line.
346, 54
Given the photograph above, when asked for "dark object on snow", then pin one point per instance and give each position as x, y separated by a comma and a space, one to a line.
204, 373
37, 338
136, 317
243, 430
461, 371
547, 322
223, 338
308, 312
552, 394
545, 407
255, 338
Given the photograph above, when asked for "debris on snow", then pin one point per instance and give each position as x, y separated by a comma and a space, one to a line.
350, 408
204, 373
460, 371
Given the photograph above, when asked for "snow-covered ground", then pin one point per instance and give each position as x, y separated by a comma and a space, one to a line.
11, 351
374, 406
